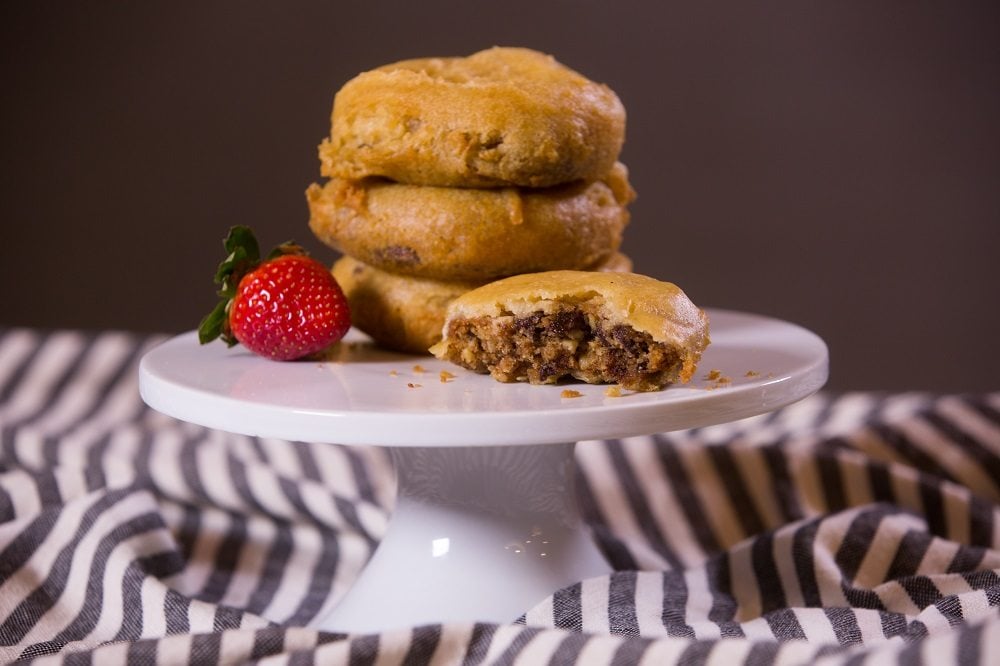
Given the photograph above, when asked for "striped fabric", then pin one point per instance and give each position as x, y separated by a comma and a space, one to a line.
845, 529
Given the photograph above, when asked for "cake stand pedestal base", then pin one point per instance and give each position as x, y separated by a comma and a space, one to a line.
478, 533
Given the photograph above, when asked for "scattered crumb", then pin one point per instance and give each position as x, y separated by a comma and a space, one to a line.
718, 378
412, 385
419, 369
446, 376
570, 393
613, 391
752, 373
393, 373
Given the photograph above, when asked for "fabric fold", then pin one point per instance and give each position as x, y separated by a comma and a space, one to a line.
843, 528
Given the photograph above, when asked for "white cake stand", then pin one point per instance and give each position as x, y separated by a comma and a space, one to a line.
486, 522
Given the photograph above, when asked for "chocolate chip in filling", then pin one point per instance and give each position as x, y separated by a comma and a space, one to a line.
570, 341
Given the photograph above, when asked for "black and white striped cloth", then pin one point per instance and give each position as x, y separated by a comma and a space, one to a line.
847, 529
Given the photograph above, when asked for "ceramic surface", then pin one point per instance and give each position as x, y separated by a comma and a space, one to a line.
477, 534
364, 395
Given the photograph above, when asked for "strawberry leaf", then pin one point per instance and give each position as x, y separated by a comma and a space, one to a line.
214, 325
242, 256
241, 237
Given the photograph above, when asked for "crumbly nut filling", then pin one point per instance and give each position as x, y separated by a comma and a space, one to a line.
571, 340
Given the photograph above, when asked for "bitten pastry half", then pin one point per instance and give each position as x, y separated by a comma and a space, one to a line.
407, 314
500, 117
628, 329
454, 233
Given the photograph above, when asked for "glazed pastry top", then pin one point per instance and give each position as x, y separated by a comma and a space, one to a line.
658, 308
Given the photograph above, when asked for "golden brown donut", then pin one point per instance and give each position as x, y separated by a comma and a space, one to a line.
500, 117
449, 233
404, 313
597, 327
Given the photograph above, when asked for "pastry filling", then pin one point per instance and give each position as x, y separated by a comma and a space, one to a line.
572, 340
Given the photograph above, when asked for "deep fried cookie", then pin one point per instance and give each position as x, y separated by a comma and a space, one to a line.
629, 329
405, 313
448, 233
500, 117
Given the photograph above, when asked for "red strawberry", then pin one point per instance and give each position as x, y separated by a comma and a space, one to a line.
285, 307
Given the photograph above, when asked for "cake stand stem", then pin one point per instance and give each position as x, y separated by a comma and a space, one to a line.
478, 534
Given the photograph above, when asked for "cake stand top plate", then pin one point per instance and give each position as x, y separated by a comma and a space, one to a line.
365, 395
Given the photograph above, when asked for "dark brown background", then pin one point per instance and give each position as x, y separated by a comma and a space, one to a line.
835, 164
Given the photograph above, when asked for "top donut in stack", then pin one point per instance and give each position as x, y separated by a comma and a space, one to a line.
448, 173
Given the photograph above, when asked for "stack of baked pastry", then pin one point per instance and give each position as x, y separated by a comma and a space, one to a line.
445, 174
